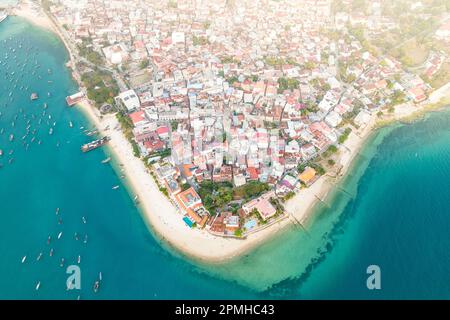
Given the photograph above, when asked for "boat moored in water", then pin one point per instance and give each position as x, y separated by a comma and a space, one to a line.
95, 144
96, 286
91, 132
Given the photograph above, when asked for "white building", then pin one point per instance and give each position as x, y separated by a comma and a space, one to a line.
178, 37
129, 100
362, 118
328, 102
333, 119
116, 54
444, 31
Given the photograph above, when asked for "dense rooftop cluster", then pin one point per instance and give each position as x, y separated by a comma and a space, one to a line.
238, 104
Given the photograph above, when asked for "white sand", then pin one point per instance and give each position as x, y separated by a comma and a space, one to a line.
35, 15
441, 93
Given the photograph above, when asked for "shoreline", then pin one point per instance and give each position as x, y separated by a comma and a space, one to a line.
163, 219
160, 214
35, 15
302, 205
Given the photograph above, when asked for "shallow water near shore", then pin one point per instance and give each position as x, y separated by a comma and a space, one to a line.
392, 210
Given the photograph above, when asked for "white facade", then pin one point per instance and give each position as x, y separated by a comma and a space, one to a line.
130, 100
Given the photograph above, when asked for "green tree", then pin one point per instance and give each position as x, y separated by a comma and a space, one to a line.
144, 64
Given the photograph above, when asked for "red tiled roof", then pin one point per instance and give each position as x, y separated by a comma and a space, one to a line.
137, 116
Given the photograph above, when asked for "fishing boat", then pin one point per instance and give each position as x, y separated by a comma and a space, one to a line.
38, 285
106, 160
51, 252
34, 96
11, 137
49, 239
79, 260
85, 239
92, 132
39, 257
50, 132
115, 187
24, 258
96, 286
59, 235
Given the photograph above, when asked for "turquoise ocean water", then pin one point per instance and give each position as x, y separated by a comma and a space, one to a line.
393, 210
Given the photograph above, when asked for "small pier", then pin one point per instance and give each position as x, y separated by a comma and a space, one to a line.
74, 99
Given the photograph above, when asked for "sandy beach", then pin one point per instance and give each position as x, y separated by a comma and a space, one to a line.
35, 15
164, 219
301, 205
